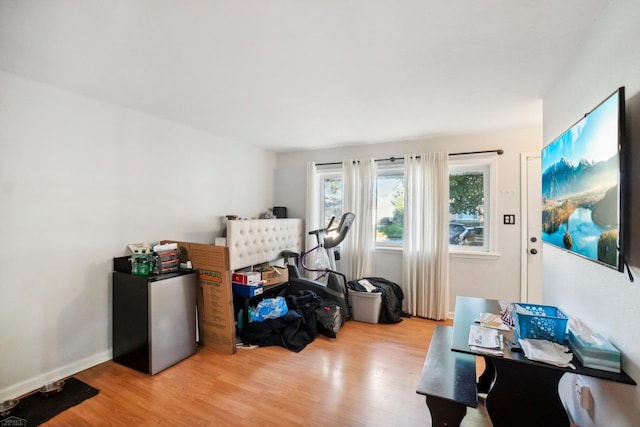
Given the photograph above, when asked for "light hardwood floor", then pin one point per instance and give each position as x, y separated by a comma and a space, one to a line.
365, 377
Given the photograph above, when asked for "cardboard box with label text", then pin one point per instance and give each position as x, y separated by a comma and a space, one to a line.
215, 298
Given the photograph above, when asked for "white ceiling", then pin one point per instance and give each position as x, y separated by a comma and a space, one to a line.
302, 74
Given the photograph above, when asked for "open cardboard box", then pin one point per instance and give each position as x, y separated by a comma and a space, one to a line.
272, 277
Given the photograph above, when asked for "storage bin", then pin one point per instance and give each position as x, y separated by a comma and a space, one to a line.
365, 306
247, 290
544, 323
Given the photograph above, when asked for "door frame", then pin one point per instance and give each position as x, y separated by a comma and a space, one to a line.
524, 228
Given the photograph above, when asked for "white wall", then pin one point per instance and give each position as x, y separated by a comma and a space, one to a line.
79, 179
492, 277
604, 299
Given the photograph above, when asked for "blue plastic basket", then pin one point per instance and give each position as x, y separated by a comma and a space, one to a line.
544, 323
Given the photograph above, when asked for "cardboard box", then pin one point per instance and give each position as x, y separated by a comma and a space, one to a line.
272, 278
247, 290
246, 278
214, 296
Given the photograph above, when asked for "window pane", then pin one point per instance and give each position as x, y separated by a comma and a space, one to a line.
466, 208
332, 199
390, 209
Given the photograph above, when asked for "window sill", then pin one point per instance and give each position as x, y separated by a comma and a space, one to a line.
452, 254
474, 255
389, 249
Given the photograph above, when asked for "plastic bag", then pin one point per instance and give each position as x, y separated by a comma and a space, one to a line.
268, 308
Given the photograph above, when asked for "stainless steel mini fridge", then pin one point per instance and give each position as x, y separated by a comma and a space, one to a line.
154, 319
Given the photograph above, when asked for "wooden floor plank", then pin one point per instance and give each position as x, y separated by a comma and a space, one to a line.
365, 377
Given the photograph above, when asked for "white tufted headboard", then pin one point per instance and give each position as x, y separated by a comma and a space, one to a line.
256, 241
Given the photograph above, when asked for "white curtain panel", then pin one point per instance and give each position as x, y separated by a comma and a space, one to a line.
425, 260
358, 254
312, 221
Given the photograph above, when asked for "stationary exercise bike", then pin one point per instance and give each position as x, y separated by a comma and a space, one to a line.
327, 239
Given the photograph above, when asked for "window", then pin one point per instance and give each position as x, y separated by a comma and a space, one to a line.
389, 206
389, 202
471, 204
331, 183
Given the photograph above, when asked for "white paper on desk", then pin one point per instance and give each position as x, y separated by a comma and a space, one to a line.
483, 350
547, 352
490, 320
483, 337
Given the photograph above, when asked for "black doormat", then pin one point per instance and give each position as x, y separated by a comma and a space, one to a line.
35, 409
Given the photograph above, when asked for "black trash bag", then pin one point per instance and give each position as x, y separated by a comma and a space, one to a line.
329, 319
298, 327
289, 331
321, 315
303, 300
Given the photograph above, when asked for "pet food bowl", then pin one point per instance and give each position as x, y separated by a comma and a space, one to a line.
7, 406
52, 389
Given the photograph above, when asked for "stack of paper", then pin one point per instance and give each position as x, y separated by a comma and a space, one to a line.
485, 340
490, 320
547, 352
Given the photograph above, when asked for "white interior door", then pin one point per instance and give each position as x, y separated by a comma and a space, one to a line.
531, 228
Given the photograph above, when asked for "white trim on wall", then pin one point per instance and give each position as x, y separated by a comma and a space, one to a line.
34, 383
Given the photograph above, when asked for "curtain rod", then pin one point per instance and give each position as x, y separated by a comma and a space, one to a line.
499, 151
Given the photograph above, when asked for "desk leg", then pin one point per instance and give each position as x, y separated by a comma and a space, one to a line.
525, 395
487, 377
445, 413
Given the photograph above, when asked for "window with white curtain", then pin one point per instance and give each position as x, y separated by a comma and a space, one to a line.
471, 205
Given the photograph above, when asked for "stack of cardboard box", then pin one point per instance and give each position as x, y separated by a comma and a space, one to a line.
247, 283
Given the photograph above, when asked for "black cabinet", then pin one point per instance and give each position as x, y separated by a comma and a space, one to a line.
154, 319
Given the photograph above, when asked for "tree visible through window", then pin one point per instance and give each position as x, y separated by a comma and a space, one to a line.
467, 207
390, 208
466, 193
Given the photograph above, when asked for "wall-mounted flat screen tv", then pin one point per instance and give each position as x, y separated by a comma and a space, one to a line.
582, 189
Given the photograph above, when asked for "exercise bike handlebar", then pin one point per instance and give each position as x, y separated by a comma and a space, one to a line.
333, 218
343, 227
332, 241
323, 230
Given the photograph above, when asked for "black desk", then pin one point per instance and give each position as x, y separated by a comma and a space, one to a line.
519, 391
448, 380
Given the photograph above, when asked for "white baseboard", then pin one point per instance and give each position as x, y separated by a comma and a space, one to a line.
36, 382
